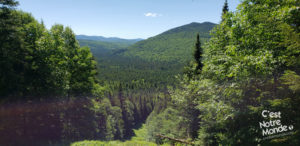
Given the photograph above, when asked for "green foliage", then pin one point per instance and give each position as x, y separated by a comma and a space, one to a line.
114, 67
248, 45
8, 3
252, 42
174, 45
198, 51
10, 37
103, 46
225, 9
292, 80
36, 61
117, 63
169, 123
250, 64
140, 134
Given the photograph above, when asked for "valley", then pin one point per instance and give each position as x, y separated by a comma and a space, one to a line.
156, 60
193, 84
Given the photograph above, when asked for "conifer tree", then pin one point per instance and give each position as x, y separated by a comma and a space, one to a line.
198, 54
225, 9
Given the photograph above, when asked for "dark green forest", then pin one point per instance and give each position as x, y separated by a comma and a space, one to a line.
156, 60
232, 83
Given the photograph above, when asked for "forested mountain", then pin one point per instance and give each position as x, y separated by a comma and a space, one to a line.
52, 91
102, 49
114, 67
101, 46
174, 45
107, 39
119, 61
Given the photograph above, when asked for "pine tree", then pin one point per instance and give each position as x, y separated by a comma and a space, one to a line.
198, 54
225, 9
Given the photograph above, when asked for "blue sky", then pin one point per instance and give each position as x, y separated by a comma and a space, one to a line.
124, 18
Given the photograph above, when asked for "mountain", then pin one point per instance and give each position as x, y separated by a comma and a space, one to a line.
174, 45
101, 48
155, 60
104, 46
107, 39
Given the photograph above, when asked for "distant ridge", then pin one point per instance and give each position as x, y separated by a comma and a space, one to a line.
107, 39
174, 45
192, 27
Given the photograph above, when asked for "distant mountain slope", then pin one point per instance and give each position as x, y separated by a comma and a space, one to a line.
113, 67
107, 39
100, 48
155, 60
174, 45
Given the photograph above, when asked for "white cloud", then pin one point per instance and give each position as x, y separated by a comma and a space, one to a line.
152, 14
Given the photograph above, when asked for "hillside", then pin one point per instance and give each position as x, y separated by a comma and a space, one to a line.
102, 49
107, 39
114, 67
174, 45
156, 60
94, 44
241, 88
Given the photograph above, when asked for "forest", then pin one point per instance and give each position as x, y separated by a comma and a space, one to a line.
232, 83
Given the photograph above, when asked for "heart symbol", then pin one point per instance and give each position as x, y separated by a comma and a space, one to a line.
291, 127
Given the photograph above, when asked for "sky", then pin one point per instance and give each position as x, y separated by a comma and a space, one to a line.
124, 18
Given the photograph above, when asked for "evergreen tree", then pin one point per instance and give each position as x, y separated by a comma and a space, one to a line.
198, 54
225, 9
123, 108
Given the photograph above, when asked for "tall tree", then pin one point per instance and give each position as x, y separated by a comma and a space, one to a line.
225, 9
198, 54
10, 42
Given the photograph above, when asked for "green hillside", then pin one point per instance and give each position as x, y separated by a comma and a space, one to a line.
174, 45
155, 60
102, 49
112, 66
94, 44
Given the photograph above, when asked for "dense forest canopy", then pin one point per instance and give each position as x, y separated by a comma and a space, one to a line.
57, 90
121, 61
37, 61
251, 64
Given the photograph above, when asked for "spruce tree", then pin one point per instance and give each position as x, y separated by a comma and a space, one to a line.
225, 9
198, 54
